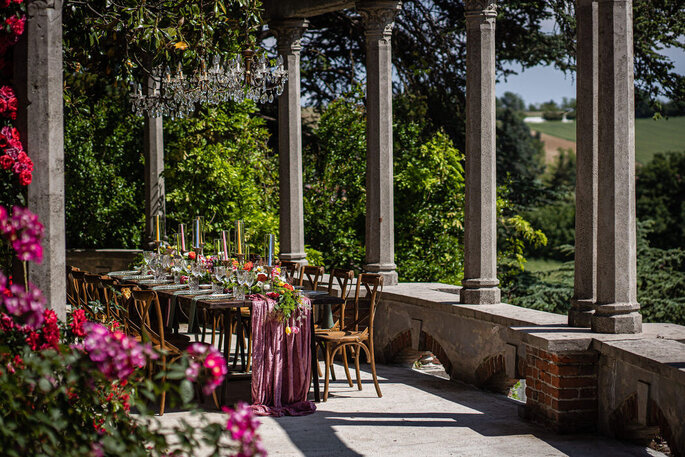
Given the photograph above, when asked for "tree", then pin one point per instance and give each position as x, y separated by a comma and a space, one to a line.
660, 189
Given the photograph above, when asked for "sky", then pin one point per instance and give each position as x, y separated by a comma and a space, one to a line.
544, 83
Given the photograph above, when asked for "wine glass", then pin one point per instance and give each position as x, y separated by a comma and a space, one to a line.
239, 291
219, 274
250, 277
147, 257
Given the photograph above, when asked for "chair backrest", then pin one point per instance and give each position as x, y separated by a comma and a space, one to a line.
123, 299
310, 276
83, 294
109, 296
72, 291
365, 306
343, 279
290, 269
148, 312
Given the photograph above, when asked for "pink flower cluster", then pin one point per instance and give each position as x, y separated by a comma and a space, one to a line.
24, 231
115, 354
14, 157
26, 306
242, 425
209, 357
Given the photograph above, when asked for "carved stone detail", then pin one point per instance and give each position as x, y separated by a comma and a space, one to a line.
289, 34
481, 6
378, 17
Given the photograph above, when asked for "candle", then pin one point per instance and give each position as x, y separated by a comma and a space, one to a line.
197, 239
238, 236
270, 249
218, 247
183, 237
157, 229
225, 245
178, 242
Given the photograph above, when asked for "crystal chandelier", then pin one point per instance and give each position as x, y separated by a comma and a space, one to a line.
176, 95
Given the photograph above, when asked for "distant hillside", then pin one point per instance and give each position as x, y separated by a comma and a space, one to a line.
650, 136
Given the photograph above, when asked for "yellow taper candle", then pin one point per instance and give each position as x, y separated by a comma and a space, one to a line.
157, 230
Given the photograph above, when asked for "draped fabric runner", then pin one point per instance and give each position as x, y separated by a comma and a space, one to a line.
281, 363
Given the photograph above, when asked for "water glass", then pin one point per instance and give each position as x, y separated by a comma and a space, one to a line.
194, 283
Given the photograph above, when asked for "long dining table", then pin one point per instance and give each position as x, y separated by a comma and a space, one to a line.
179, 303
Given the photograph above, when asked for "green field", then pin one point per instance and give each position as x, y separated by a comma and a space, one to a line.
650, 136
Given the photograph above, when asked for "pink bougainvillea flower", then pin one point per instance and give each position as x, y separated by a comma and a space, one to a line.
209, 357
242, 425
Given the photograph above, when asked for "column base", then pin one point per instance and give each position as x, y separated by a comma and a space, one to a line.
581, 312
618, 323
299, 257
481, 296
386, 270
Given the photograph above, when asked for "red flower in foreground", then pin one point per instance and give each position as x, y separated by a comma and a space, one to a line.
6, 162
78, 319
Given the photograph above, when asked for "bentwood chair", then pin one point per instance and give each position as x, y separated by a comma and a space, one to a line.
310, 276
123, 298
356, 331
343, 280
146, 313
84, 293
109, 296
72, 290
94, 293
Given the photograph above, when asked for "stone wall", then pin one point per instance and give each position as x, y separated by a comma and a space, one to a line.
101, 260
627, 386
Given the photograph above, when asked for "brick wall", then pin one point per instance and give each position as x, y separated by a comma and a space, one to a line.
561, 389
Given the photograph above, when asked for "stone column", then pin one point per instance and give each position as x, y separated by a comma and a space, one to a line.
617, 308
38, 76
378, 19
289, 33
583, 301
154, 166
480, 284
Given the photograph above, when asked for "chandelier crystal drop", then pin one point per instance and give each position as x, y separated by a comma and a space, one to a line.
175, 95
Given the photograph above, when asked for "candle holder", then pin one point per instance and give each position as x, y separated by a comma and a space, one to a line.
198, 253
158, 244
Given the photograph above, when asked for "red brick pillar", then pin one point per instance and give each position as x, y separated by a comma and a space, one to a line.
561, 389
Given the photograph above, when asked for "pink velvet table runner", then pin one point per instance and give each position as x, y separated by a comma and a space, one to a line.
281, 363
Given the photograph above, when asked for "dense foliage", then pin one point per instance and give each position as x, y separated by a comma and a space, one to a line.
428, 192
218, 165
103, 173
660, 191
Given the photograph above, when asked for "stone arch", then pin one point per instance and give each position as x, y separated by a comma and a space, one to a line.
426, 342
624, 423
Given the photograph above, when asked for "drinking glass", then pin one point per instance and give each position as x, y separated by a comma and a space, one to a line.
219, 274
250, 277
147, 257
194, 283
239, 290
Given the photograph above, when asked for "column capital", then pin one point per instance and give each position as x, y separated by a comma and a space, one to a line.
289, 33
379, 17
34, 6
481, 7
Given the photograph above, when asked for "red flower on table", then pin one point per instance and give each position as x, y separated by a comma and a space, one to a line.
191, 255
261, 277
248, 266
288, 286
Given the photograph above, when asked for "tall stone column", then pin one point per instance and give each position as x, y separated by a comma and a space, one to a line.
617, 308
38, 76
153, 139
583, 301
480, 284
378, 19
289, 33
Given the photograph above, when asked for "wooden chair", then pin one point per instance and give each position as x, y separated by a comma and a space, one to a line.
83, 296
146, 312
343, 279
123, 298
356, 331
72, 290
310, 276
94, 293
107, 293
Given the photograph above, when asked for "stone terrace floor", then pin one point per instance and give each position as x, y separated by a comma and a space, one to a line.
421, 415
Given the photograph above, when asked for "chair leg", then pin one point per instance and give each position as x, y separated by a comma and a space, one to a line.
163, 399
327, 370
356, 368
347, 367
372, 358
316, 357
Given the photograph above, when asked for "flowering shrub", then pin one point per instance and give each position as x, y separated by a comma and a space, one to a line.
242, 425
209, 357
24, 232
